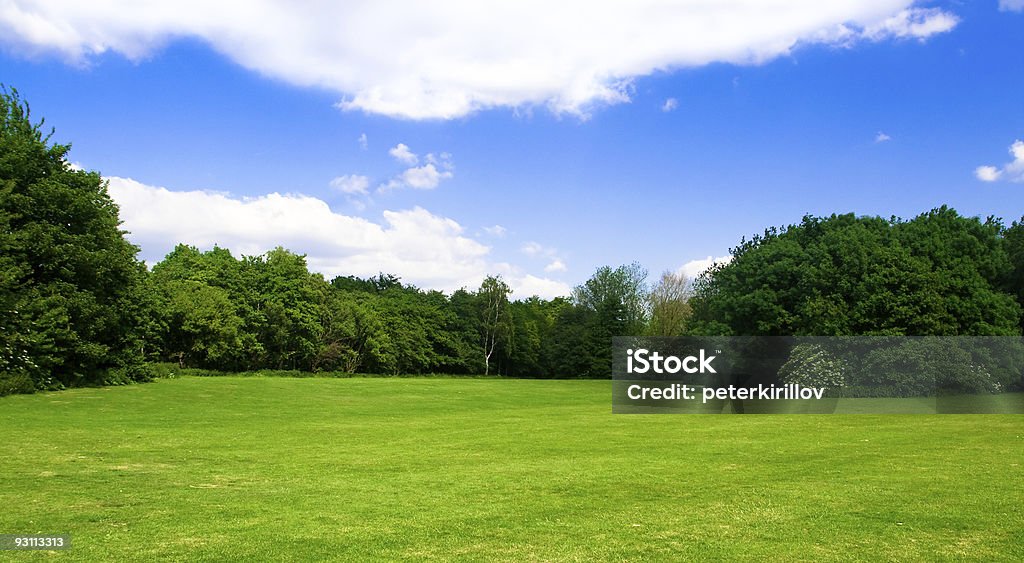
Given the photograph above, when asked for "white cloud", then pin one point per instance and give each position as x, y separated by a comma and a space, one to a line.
882, 137
425, 177
351, 184
917, 23
1011, 5
425, 249
496, 231
529, 285
987, 173
449, 58
1012, 171
670, 104
364, 143
695, 268
402, 154
556, 265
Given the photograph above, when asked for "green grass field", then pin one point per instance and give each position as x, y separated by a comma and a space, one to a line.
232, 468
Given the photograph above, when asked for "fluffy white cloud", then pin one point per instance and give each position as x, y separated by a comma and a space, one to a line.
882, 137
918, 23
987, 173
528, 285
1011, 5
351, 184
1012, 171
669, 105
449, 58
425, 177
422, 248
556, 265
364, 143
402, 154
695, 268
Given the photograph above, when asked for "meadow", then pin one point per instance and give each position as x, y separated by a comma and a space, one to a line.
257, 468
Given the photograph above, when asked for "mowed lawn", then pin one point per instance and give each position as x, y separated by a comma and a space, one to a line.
232, 468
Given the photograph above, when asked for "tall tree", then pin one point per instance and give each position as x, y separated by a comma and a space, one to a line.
619, 296
70, 284
669, 305
938, 274
494, 321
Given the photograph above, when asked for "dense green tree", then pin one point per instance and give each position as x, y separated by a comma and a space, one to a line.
532, 334
939, 274
618, 296
1014, 283
70, 284
202, 327
612, 302
579, 346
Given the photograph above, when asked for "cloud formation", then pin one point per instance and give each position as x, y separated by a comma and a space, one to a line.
428, 250
402, 154
694, 268
450, 58
882, 137
426, 177
556, 265
1012, 171
669, 105
915, 23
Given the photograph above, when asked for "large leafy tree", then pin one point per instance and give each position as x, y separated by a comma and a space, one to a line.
70, 284
494, 317
669, 305
938, 274
613, 302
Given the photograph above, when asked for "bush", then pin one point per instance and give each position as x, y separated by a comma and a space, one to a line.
810, 365
15, 382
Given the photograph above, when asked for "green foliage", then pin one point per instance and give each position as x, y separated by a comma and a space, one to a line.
811, 365
938, 274
492, 298
1014, 242
78, 308
70, 285
15, 382
923, 366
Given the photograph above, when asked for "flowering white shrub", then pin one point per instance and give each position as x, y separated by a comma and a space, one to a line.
810, 365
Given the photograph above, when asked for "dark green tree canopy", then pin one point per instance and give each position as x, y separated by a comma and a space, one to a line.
937, 274
70, 284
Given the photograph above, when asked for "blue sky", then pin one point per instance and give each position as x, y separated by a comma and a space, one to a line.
538, 152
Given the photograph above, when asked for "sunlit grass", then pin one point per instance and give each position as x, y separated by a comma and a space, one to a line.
270, 468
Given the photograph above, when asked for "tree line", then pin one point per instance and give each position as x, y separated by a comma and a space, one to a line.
78, 307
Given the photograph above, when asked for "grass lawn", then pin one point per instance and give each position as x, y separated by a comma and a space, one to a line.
274, 468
